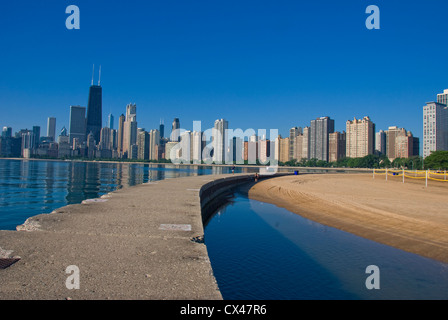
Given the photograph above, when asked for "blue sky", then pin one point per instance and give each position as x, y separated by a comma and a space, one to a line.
258, 64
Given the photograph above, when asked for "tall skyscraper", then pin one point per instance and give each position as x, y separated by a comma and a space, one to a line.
220, 141
197, 146
162, 129
435, 126
405, 146
28, 141
36, 131
336, 146
319, 131
391, 134
130, 128
306, 143
175, 133
121, 121
7, 132
143, 145
154, 142
282, 147
106, 139
298, 147
51, 128
94, 121
380, 142
442, 98
293, 133
77, 127
110, 121
360, 135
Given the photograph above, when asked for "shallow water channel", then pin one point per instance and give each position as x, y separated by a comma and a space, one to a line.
260, 251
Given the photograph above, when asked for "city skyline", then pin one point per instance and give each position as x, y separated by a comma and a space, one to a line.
255, 64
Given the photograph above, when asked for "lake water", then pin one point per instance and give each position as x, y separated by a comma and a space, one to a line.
260, 251
29, 187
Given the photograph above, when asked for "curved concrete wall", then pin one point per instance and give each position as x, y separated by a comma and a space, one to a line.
211, 194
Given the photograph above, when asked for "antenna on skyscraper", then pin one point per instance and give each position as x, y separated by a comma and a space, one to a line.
93, 72
99, 79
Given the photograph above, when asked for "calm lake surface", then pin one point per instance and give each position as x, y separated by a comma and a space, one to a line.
29, 187
260, 251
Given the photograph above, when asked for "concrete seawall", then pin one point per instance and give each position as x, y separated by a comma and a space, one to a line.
141, 242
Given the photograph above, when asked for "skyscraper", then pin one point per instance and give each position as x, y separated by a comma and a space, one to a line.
110, 121
435, 125
405, 146
130, 128
143, 145
7, 132
319, 131
197, 146
154, 141
360, 135
380, 142
77, 127
175, 132
94, 121
391, 134
336, 146
442, 98
51, 128
293, 133
36, 131
161, 129
306, 143
121, 120
220, 141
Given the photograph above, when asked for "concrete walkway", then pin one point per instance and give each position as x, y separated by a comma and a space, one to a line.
134, 243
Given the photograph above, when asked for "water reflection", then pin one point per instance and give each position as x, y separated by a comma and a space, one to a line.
29, 188
260, 251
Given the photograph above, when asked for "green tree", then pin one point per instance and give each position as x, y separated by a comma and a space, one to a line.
437, 160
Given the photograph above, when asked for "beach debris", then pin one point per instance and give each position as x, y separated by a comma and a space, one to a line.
5, 258
198, 239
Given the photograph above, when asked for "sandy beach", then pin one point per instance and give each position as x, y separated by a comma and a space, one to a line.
407, 215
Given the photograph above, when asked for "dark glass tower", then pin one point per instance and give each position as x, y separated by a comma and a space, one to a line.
94, 120
95, 112
162, 129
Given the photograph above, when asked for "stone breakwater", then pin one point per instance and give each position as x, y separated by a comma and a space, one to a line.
136, 243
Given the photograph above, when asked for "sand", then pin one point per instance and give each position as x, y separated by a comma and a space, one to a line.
407, 216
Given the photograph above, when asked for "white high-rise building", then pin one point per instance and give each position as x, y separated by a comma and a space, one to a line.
435, 126
154, 143
196, 142
51, 128
380, 142
220, 142
130, 128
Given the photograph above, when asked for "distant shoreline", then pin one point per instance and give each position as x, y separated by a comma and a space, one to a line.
253, 166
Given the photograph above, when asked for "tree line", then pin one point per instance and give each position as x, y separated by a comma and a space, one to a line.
436, 161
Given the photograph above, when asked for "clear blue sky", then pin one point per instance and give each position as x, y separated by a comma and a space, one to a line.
258, 64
